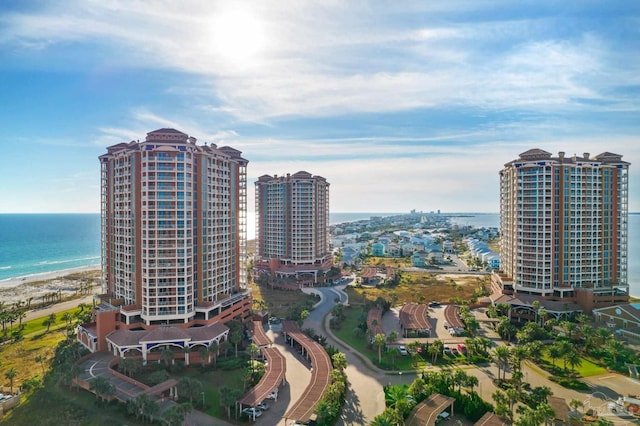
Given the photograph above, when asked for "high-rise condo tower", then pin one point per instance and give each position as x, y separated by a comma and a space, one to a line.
564, 227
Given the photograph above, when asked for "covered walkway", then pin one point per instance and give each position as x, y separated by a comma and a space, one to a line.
274, 376
426, 413
302, 409
452, 316
258, 335
414, 319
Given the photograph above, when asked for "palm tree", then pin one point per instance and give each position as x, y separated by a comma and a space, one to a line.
435, 349
459, 378
588, 333
49, 321
235, 337
501, 355
204, 353
565, 348
225, 347
575, 404
213, 350
67, 317
167, 355
614, 347
554, 353
536, 308
471, 382
41, 359
102, 387
379, 341
603, 335
573, 359
10, 375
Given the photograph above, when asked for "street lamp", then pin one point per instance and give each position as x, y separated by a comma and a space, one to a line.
202, 393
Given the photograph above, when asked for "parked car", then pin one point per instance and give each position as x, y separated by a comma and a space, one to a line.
434, 304
462, 348
263, 406
403, 350
252, 412
273, 395
447, 350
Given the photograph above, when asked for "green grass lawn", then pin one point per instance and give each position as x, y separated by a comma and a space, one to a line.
587, 367
389, 361
212, 381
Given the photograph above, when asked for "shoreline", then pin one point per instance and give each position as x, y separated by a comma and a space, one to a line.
45, 276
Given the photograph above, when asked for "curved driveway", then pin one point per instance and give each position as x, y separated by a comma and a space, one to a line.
365, 397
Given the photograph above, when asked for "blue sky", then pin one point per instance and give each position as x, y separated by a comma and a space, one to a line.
400, 105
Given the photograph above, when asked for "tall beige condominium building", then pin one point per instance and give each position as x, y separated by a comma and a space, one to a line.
173, 227
292, 225
564, 227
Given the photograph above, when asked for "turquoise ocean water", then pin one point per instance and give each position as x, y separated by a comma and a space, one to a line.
39, 243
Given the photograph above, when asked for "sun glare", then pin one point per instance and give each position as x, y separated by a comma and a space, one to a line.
238, 36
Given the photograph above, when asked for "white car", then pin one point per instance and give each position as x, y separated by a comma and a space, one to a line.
403, 350
273, 395
263, 406
252, 412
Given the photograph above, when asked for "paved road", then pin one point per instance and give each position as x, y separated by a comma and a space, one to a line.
365, 397
58, 307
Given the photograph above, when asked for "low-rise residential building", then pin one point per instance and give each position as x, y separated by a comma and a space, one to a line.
624, 319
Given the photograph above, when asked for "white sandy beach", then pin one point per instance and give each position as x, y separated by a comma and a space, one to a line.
36, 286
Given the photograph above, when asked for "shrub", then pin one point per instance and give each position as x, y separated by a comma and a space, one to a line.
570, 383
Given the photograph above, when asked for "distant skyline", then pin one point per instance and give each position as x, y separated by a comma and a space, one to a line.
400, 105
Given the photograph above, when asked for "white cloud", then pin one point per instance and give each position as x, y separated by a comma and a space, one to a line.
329, 59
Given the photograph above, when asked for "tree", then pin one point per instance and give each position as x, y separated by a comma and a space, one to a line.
49, 321
213, 349
128, 366
235, 337
394, 394
573, 359
603, 335
501, 356
588, 334
459, 378
175, 415
554, 353
143, 406
204, 354
303, 316
502, 407
167, 356
471, 382
613, 348
41, 359
228, 398
225, 347
339, 361
189, 388
67, 317
379, 341
11, 374
435, 349
575, 404
102, 387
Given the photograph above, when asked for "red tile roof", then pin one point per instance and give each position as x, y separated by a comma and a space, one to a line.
258, 336
414, 317
303, 408
452, 315
274, 375
426, 413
